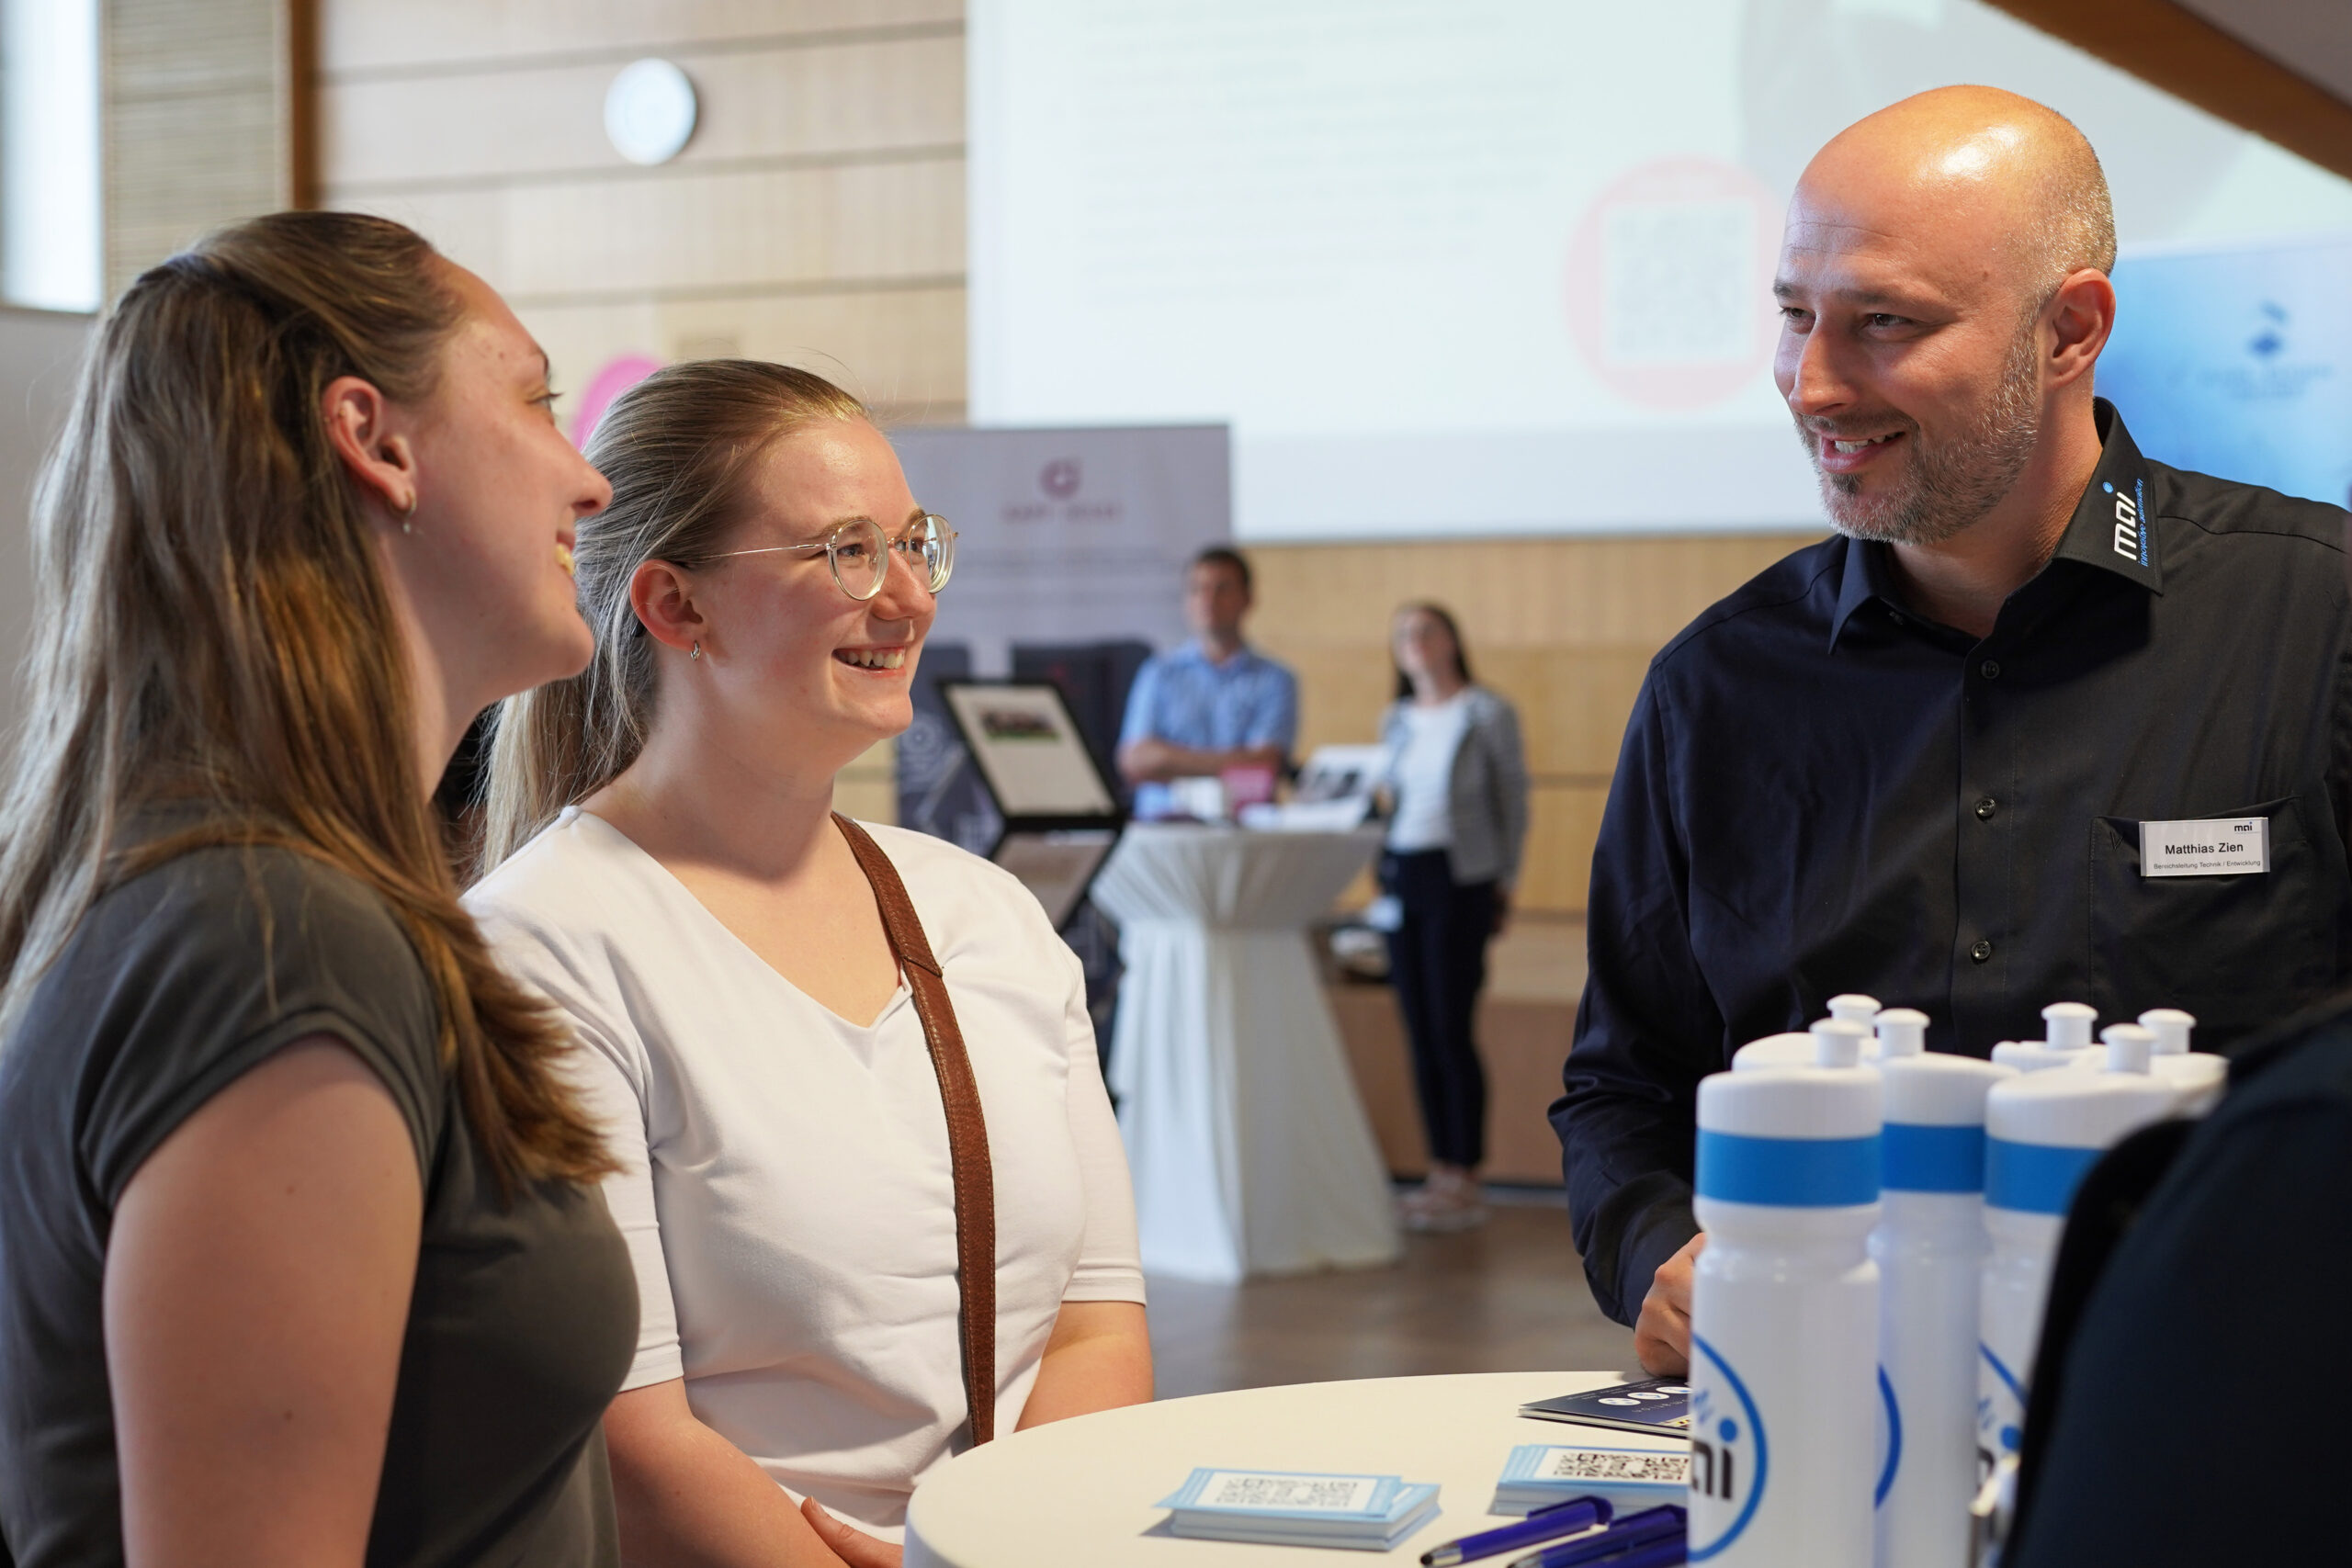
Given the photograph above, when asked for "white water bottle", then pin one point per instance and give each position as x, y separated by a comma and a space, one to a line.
1929, 1246
2067, 1026
1902, 1032
2043, 1133
1799, 1050
1854, 1008
2039, 1056
2201, 1075
1784, 1313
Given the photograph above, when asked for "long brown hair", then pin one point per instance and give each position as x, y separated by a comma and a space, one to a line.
677, 449
212, 634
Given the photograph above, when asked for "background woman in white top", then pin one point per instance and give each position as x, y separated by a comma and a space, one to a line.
1459, 778
685, 898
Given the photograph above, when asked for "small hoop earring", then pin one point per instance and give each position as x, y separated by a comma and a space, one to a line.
408, 514
696, 653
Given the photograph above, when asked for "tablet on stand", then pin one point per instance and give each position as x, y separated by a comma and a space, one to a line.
1061, 813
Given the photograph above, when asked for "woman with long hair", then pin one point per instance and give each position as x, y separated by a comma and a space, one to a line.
871, 1179
302, 1255
1458, 779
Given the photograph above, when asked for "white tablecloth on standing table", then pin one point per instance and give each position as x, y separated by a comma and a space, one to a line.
1250, 1151
1081, 1492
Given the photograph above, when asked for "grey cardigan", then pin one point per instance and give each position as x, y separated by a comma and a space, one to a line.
1488, 795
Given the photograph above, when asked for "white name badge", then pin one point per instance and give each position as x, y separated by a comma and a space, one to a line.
2222, 846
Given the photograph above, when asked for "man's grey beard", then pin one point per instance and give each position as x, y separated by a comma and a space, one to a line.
1949, 484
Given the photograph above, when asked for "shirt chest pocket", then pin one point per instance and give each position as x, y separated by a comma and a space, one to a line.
2238, 951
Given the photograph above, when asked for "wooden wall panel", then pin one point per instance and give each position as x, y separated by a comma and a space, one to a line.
701, 235
777, 105
901, 350
1565, 627
817, 217
429, 36
198, 120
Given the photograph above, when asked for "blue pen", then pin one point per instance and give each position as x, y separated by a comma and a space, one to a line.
1628, 1543
1661, 1552
1545, 1524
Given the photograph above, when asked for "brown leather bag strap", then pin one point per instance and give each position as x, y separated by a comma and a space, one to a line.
967, 1130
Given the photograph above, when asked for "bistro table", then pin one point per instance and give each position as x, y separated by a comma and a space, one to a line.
1081, 1492
1249, 1148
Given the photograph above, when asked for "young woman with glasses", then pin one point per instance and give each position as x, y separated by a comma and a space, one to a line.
669, 869
303, 1255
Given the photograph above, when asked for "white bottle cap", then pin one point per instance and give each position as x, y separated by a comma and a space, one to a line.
2035, 1056
2129, 1046
1774, 1050
2171, 1026
2067, 1026
1936, 1088
1837, 1044
1853, 1008
2082, 1111
1791, 1102
1902, 1032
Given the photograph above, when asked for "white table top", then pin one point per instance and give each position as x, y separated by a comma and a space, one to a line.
1230, 876
1081, 1492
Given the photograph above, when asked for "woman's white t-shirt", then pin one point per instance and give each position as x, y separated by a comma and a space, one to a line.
786, 1193
1422, 774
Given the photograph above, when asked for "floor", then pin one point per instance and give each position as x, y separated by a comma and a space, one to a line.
1507, 1297
1539, 958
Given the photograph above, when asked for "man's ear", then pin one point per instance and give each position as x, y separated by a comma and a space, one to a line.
663, 599
2081, 316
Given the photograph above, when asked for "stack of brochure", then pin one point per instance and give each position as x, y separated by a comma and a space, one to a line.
1540, 1474
1289, 1507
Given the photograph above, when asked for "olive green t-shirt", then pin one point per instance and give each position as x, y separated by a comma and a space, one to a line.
524, 1315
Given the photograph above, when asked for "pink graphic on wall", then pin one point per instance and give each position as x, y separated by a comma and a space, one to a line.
619, 374
1670, 280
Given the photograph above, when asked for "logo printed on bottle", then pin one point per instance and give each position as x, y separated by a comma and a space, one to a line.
1729, 1459
1890, 1439
2000, 1412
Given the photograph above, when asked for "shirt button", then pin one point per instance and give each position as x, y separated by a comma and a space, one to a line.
1990, 670
1985, 807
1982, 951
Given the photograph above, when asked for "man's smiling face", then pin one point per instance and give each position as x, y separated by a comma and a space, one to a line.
1911, 334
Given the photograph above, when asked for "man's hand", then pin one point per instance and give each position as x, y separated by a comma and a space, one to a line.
1662, 1334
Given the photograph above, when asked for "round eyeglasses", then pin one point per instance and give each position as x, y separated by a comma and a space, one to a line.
859, 553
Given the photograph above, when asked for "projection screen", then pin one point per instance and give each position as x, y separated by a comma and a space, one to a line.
1480, 266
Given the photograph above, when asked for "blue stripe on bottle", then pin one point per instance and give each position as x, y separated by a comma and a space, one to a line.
1934, 1159
1788, 1173
2034, 1178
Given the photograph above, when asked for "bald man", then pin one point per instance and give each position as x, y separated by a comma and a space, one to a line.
1961, 755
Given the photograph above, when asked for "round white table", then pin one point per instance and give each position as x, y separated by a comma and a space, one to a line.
1081, 1492
1249, 1148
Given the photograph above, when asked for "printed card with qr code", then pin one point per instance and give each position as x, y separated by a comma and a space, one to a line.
1281, 1493
1640, 1467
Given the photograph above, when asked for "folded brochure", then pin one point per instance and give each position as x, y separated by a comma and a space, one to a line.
1291, 1508
1654, 1405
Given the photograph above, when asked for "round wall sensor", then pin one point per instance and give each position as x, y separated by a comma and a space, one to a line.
649, 111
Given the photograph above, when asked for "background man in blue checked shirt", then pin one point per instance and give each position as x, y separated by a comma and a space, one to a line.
1213, 703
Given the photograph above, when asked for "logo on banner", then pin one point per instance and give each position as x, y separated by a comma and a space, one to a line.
1061, 477
1059, 481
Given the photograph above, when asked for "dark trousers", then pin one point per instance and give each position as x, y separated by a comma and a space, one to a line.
1437, 961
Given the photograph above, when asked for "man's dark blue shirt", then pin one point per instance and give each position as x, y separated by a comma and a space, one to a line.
1821, 791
